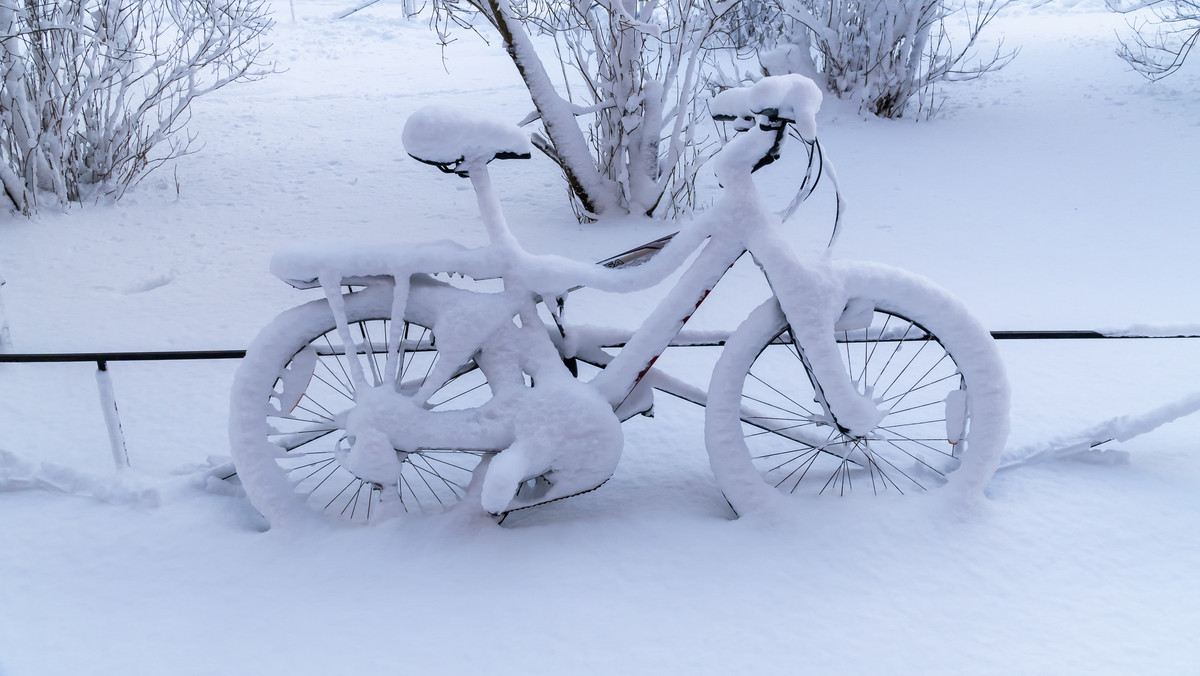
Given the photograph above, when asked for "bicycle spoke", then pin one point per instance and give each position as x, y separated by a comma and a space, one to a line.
357, 494
910, 424
322, 416
748, 418
917, 407
301, 420
849, 361
919, 443
426, 482
935, 382
322, 464
871, 455
332, 471
337, 357
805, 466
288, 449
429, 370
796, 455
339, 494
780, 429
874, 346
341, 388
917, 385
909, 387
895, 351
871, 470
325, 412
444, 462
905, 369
823, 448
765, 403
424, 330
776, 390
440, 403
369, 349
902, 472
428, 469
429, 480
404, 481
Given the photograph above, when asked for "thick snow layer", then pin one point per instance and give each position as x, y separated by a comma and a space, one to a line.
789, 97
444, 135
1055, 194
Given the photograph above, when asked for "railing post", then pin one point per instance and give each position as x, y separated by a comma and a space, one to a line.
108, 403
5, 336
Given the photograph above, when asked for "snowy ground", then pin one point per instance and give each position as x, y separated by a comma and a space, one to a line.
1058, 193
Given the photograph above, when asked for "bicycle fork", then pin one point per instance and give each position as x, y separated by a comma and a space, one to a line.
813, 300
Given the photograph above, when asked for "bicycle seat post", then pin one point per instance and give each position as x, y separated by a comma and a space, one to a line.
462, 143
489, 205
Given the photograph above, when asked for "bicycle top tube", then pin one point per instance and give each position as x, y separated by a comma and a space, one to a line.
303, 265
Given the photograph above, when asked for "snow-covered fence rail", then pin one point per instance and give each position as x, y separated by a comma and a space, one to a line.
108, 397
616, 339
102, 357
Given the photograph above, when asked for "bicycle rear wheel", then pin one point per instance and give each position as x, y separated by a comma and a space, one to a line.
931, 370
292, 398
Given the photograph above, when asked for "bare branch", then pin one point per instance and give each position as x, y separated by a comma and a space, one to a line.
94, 92
1160, 45
630, 76
885, 53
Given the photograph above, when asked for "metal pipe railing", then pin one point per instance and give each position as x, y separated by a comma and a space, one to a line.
112, 419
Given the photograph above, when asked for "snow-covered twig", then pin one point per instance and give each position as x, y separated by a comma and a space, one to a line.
1121, 428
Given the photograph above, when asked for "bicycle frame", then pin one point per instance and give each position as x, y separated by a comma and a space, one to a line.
739, 223
539, 432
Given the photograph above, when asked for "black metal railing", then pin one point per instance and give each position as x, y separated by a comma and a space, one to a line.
116, 435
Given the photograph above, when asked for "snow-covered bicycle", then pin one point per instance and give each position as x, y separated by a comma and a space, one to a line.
424, 388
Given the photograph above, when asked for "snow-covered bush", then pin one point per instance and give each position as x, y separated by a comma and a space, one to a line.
1160, 45
749, 24
622, 124
93, 92
886, 53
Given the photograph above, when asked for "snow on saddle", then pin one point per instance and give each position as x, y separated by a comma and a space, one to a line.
452, 139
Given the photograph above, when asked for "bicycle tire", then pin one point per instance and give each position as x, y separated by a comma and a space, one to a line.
286, 452
929, 366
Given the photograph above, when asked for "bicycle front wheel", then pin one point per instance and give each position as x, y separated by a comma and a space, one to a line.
931, 370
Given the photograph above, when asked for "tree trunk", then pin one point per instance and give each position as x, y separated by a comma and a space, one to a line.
567, 148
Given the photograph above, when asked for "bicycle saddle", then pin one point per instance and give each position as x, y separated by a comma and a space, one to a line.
782, 99
450, 138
